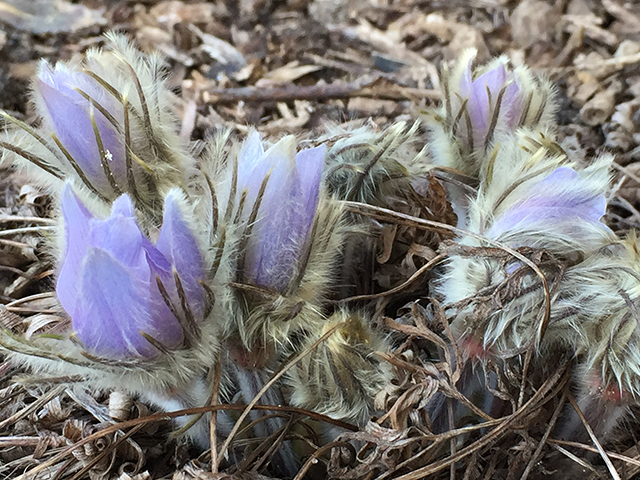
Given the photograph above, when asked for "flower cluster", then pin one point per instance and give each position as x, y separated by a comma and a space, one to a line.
561, 289
175, 269
172, 265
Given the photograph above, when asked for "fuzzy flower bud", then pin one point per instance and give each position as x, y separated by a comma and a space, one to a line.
108, 278
538, 201
482, 103
491, 98
342, 376
108, 124
85, 119
551, 203
287, 208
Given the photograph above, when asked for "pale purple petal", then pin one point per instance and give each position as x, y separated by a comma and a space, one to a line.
552, 203
123, 205
67, 113
76, 226
480, 106
107, 281
112, 309
280, 234
179, 246
120, 235
251, 154
466, 80
481, 97
68, 82
310, 163
511, 107
251, 167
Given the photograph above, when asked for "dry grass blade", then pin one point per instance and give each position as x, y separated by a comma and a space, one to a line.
18, 231
213, 424
39, 162
584, 464
542, 395
46, 398
545, 437
632, 461
164, 416
21, 219
422, 270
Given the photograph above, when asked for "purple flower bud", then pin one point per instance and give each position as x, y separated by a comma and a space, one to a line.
493, 102
483, 105
107, 280
60, 96
556, 201
279, 237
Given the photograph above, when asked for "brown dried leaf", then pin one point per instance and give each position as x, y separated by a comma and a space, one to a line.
388, 236
220, 51
466, 37
42, 324
383, 452
598, 110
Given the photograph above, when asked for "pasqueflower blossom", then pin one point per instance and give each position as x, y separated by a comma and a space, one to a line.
280, 235
482, 105
67, 100
108, 284
561, 199
492, 101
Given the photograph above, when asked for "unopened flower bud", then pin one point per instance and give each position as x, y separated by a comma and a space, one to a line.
287, 208
107, 123
481, 104
79, 112
341, 376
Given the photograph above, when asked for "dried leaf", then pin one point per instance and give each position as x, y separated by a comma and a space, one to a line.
49, 16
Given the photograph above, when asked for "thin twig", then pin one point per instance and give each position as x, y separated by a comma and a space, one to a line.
363, 88
213, 437
159, 417
545, 437
426, 267
541, 395
43, 400
617, 456
16, 231
17, 218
